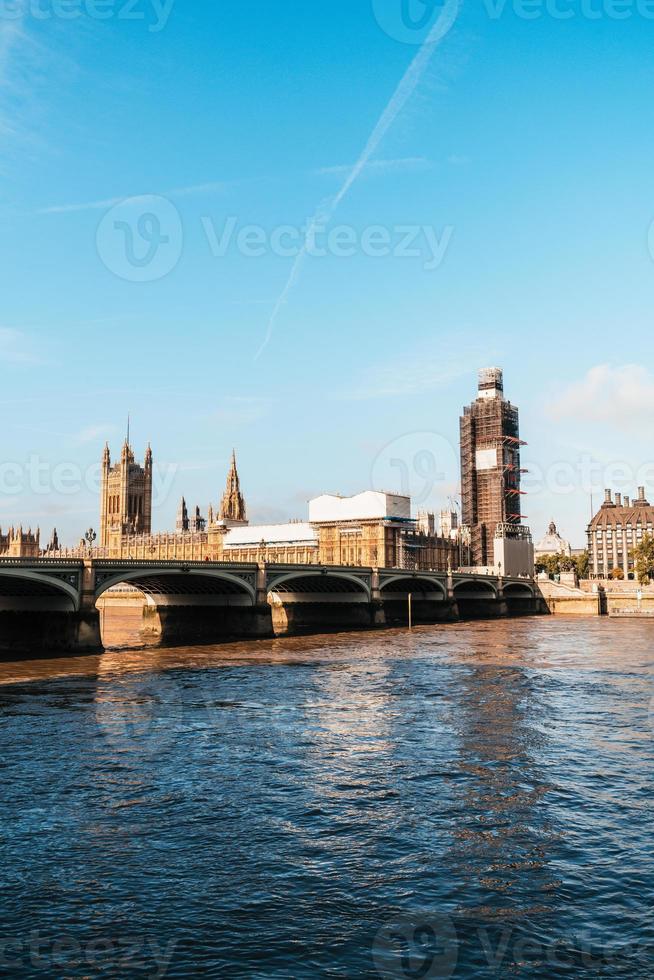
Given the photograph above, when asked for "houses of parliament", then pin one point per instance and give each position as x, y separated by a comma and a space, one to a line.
370, 529
126, 513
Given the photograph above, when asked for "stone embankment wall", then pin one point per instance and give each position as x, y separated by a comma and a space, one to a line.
564, 600
598, 598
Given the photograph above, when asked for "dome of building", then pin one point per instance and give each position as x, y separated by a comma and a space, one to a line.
553, 544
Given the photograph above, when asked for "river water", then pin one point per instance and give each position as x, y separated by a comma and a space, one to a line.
468, 800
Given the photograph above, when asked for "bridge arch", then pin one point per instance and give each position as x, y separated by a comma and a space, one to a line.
518, 590
190, 582
420, 583
23, 584
475, 588
320, 581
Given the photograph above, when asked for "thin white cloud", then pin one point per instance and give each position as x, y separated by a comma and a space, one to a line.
251, 302
108, 202
616, 396
379, 166
205, 467
94, 433
214, 187
210, 187
243, 410
33, 63
222, 186
12, 37
410, 374
406, 88
15, 348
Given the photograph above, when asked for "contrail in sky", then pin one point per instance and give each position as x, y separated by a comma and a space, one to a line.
13, 36
401, 96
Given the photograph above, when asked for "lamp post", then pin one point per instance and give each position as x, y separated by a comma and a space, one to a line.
90, 537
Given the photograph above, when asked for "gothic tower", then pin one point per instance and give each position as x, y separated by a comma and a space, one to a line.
126, 495
232, 508
182, 524
490, 466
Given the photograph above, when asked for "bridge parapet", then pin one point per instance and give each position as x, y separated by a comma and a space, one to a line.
204, 601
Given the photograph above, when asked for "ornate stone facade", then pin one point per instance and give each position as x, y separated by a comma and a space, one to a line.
371, 529
125, 497
17, 543
232, 507
368, 544
615, 530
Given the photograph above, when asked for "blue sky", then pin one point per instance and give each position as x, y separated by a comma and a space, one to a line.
523, 146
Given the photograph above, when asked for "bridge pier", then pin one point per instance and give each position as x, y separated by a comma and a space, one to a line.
49, 631
191, 624
424, 612
378, 609
481, 608
295, 618
40, 615
431, 601
535, 606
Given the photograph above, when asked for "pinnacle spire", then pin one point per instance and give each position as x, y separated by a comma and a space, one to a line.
232, 507
182, 517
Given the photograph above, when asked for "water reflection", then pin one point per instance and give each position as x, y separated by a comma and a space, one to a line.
262, 809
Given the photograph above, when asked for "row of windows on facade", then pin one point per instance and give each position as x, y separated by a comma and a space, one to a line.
638, 532
134, 505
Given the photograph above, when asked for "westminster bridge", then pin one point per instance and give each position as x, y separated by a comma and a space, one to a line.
52, 604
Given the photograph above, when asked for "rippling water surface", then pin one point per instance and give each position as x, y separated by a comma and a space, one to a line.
468, 800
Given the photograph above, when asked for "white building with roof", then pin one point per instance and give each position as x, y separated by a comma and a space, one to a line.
293, 533
552, 544
369, 505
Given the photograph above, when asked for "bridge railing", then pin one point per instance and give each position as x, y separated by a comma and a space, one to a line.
41, 560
